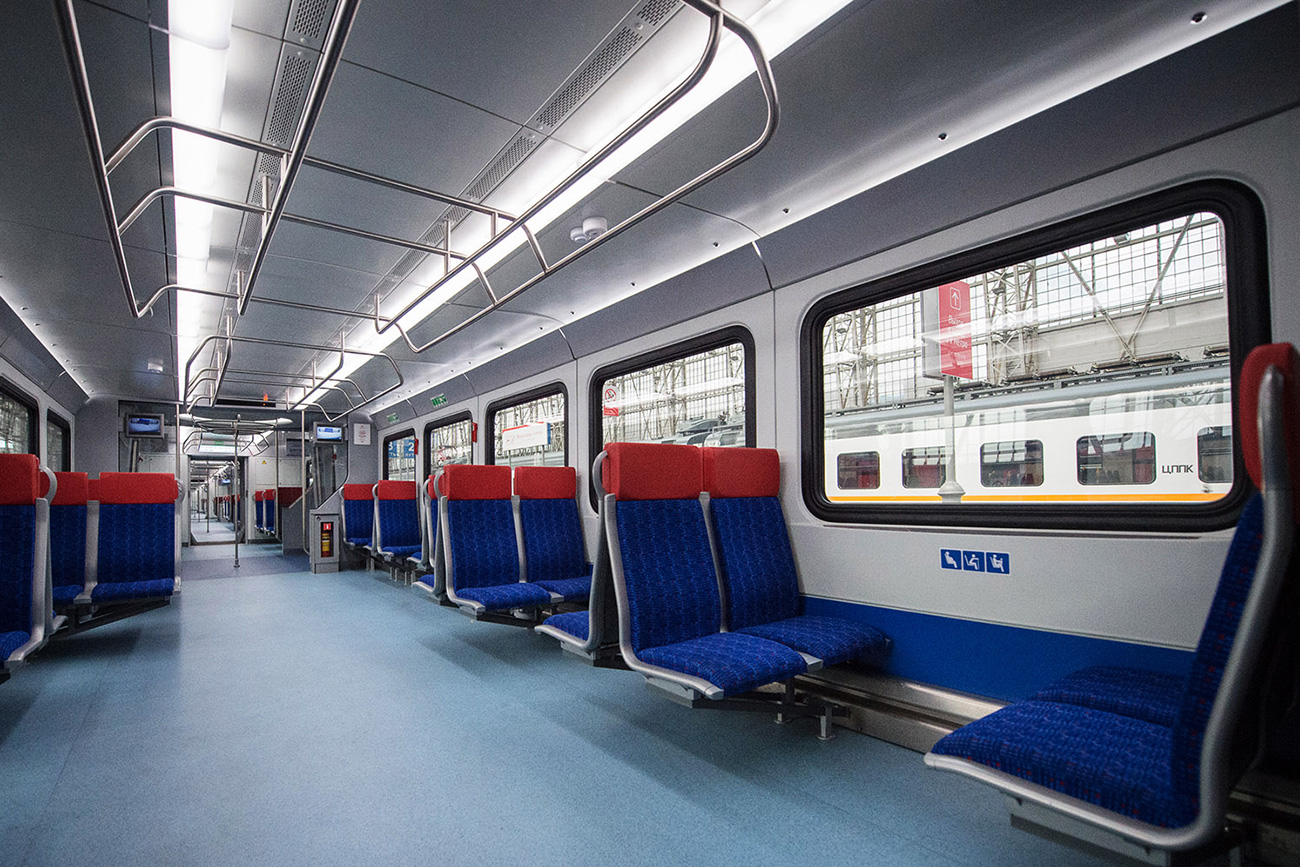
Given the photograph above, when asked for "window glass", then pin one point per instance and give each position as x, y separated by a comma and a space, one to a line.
1117, 459
1083, 356
859, 470
1011, 464
452, 443
697, 399
1214, 454
399, 458
58, 449
531, 433
17, 422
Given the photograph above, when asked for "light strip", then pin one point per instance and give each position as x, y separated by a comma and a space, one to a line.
778, 25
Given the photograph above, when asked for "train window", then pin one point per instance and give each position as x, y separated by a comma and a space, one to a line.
448, 441
17, 422
58, 443
987, 370
1214, 454
859, 471
1117, 459
1011, 464
530, 429
399, 456
925, 468
697, 392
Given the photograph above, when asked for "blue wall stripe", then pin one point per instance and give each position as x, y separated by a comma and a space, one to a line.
1008, 663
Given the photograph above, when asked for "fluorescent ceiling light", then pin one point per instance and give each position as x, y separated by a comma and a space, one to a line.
778, 25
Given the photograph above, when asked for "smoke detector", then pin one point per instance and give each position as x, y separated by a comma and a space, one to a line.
591, 228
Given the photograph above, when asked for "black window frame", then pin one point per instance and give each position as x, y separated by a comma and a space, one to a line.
661, 355
383, 449
1249, 325
64, 425
445, 421
550, 388
13, 392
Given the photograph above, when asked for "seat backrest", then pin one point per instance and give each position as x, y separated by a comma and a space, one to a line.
1252, 576
399, 513
288, 496
68, 528
269, 502
137, 527
663, 567
481, 545
259, 498
19, 486
359, 513
548, 517
753, 544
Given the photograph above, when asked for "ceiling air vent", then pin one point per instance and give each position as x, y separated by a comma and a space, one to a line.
308, 21
292, 78
580, 86
656, 11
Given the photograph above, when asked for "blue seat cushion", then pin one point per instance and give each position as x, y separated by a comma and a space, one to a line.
831, 639
758, 563
1115, 762
576, 623
1146, 695
117, 591
401, 552
503, 597
358, 541
11, 641
67, 594
737, 663
572, 589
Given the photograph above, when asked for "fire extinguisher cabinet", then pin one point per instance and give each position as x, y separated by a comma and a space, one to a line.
324, 542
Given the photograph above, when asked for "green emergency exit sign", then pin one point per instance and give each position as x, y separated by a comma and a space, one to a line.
438, 399
393, 418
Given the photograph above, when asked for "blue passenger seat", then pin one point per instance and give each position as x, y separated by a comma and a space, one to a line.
757, 566
68, 538
481, 546
136, 558
24, 539
432, 575
259, 506
397, 510
670, 610
269, 505
552, 531
358, 515
1140, 761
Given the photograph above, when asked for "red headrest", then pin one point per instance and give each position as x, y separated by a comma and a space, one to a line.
258, 496
650, 471
19, 480
389, 490
357, 492
737, 472
72, 489
126, 488
1284, 357
546, 483
268, 494
289, 496
475, 482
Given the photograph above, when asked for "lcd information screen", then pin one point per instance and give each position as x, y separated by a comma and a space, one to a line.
329, 433
144, 426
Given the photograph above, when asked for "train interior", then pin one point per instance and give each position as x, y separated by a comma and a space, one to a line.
416, 418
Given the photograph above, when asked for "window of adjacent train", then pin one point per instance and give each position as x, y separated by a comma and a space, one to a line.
1097, 372
17, 424
58, 443
531, 432
399, 457
451, 443
695, 399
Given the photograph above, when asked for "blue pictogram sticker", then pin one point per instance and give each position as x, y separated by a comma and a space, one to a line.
950, 558
972, 561
999, 562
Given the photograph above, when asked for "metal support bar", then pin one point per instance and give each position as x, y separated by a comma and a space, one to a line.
719, 18
154, 195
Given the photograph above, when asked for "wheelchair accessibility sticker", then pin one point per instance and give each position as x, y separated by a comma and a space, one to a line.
997, 562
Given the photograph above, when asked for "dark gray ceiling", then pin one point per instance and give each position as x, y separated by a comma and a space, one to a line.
436, 97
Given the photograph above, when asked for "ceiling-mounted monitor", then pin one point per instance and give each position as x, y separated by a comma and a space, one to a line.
139, 425
328, 433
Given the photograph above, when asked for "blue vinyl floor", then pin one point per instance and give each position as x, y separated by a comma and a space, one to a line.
291, 719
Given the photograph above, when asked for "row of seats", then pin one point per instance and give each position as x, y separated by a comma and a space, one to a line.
264, 507
80, 551
703, 576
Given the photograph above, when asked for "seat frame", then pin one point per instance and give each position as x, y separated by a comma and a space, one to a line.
1035, 807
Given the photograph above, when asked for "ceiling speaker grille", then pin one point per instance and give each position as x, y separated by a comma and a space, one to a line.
601, 64
289, 95
307, 22
502, 166
656, 11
